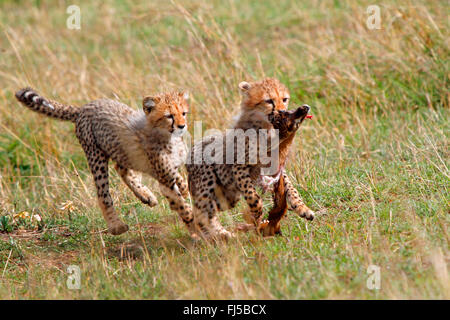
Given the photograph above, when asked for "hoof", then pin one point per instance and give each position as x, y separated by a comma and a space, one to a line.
119, 229
265, 229
268, 230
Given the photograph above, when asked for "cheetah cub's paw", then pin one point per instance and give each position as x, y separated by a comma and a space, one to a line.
219, 236
304, 212
118, 228
225, 235
148, 198
244, 227
195, 237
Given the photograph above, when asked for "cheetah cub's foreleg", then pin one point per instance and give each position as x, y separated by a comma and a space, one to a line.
133, 181
182, 185
170, 181
295, 200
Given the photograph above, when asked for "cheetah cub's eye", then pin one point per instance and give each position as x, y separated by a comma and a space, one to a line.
184, 114
285, 100
269, 101
169, 116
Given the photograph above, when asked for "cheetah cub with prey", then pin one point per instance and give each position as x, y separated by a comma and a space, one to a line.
148, 141
218, 186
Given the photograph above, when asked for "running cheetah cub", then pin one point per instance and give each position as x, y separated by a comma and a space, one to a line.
148, 141
218, 185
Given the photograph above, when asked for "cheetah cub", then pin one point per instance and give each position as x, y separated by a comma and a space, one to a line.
148, 141
218, 186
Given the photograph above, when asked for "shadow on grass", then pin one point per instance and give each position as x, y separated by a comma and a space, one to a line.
148, 238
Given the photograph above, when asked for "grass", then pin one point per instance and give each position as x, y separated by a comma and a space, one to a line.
374, 161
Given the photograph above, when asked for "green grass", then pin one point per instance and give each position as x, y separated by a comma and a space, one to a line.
374, 160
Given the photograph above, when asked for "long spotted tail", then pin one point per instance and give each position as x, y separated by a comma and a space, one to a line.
35, 102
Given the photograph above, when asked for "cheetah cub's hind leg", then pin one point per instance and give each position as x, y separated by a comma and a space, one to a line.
295, 201
205, 213
133, 181
182, 186
245, 184
98, 163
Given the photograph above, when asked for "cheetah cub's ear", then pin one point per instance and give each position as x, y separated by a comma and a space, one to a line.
149, 103
244, 86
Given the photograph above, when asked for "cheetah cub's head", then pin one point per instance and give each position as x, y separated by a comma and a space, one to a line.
167, 111
267, 96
